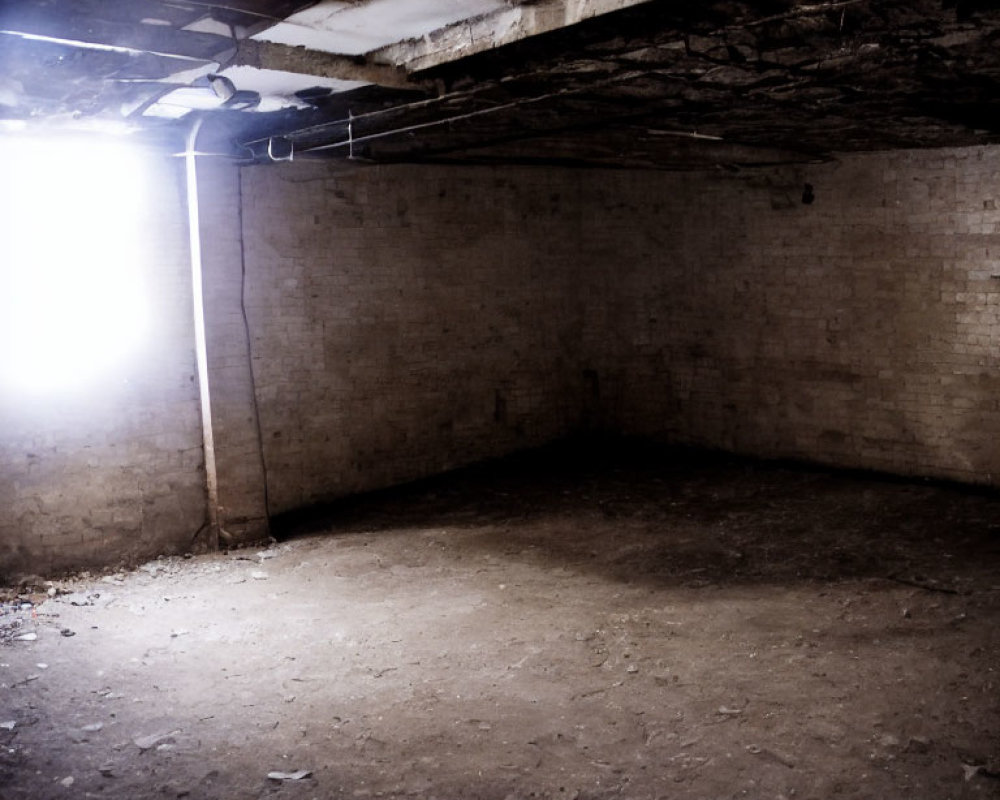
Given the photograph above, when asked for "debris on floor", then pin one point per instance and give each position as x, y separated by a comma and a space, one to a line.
298, 775
691, 630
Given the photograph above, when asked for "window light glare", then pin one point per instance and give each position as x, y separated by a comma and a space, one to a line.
72, 301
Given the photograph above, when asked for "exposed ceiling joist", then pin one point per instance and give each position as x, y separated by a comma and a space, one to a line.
610, 82
496, 29
283, 58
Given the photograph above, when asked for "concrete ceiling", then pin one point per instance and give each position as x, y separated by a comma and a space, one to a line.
667, 84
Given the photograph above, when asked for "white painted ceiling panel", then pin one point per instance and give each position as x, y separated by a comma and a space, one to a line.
274, 82
334, 26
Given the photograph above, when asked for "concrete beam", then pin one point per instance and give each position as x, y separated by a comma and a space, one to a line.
502, 27
268, 55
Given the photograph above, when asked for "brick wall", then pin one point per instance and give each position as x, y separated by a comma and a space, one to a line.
114, 470
240, 486
409, 319
406, 320
859, 330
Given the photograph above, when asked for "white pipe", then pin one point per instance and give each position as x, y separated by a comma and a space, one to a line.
200, 342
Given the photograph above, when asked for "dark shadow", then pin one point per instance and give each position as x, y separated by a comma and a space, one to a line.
637, 511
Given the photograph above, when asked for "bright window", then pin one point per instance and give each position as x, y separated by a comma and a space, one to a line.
73, 306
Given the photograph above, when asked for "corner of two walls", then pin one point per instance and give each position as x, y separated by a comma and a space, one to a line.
409, 319
240, 483
853, 321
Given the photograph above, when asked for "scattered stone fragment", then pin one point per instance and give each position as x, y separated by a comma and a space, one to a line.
67, 781
770, 755
26, 637
67, 632
93, 727
729, 712
107, 769
918, 744
289, 776
971, 770
258, 575
8, 726
154, 739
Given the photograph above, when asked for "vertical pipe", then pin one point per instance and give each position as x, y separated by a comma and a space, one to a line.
201, 348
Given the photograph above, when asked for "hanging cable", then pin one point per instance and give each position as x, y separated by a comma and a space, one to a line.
249, 338
352, 118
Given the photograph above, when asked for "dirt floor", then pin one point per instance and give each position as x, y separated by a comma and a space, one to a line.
654, 624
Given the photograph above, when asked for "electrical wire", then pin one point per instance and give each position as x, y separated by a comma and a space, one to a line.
353, 118
246, 329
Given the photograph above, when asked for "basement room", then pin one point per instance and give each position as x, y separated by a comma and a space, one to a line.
499, 399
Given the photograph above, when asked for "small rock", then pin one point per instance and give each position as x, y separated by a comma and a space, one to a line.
26, 637
67, 781
8, 726
971, 770
918, 744
151, 741
289, 776
93, 727
888, 740
632, 668
67, 632
258, 575
107, 770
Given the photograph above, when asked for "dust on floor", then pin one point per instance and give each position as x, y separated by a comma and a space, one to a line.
666, 625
